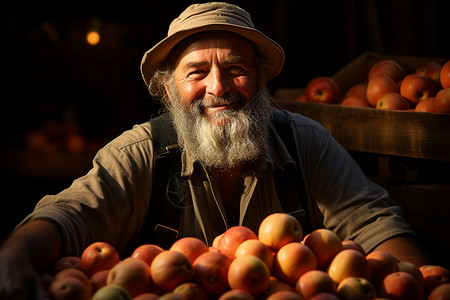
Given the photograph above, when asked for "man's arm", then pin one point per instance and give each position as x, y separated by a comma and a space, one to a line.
406, 249
27, 252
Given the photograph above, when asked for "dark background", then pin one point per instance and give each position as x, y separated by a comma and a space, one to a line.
57, 86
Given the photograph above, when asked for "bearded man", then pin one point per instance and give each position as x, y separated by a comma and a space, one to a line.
221, 156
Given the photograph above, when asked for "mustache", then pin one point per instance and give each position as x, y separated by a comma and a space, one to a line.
227, 99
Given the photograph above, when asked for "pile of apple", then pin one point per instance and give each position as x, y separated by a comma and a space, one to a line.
278, 263
388, 86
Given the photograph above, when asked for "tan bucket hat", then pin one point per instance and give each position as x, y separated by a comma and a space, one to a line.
212, 16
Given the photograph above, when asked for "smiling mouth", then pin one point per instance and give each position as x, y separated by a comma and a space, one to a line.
222, 106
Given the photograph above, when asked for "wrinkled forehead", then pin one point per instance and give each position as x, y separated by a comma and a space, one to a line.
212, 39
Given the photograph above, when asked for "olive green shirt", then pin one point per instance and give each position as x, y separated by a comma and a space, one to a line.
111, 201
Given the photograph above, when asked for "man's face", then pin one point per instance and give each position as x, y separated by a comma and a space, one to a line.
220, 112
212, 65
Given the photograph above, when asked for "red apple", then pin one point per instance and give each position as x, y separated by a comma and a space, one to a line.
349, 263
357, 91
434, 74
192, 247
351, 244
131, 273
325, 244
64, 263
285, 295
256, 248
276, 285
325, 296
416, 87
431, 69
111, 292
314, 282
356, 102
408, 267
69, 288
292, 261
400, 285
423, 69
392, 101
149, 296
445, 75
442, 101
98, 256
434, 275
99, 279
378, 86
387, 67
300, 98
248, 273
171, 268
73, 272
381, 264
210, 271
278, 229
236, 295
191, 291
232, 238
441, 292
323, 90
147, 252
426, 105
356, 288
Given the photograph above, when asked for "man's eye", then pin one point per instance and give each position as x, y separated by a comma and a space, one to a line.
197, 73
236, 70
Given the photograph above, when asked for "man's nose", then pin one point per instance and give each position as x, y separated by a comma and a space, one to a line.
217, 83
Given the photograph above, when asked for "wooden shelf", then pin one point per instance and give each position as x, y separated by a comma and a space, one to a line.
387, 132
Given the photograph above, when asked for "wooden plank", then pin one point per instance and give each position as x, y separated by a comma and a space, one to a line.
388, 132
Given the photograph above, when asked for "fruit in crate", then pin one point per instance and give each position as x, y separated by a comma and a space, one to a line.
427, 105
322, 89
442, 101
379, 86
445, 75
356, 91
387, 67
416, 87
392, 101
356, 102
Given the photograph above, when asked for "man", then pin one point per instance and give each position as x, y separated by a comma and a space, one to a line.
227, 159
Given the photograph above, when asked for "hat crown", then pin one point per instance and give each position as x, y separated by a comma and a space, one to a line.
214, 16
202, 14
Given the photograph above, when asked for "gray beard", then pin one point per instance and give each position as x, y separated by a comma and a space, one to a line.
240, 138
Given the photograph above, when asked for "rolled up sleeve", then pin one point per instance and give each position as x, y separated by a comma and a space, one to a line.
110, 202
341, 195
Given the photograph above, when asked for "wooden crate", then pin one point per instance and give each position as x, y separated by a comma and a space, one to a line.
388, 132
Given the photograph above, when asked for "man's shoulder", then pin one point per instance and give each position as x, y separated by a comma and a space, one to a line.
296, 119
139, 134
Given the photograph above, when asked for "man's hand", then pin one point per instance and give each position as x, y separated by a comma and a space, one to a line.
28, 251
18, 278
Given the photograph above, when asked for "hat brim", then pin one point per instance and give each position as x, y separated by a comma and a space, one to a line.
267, 48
